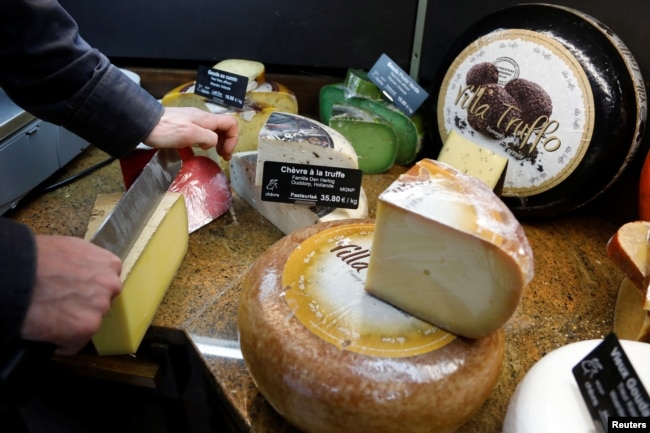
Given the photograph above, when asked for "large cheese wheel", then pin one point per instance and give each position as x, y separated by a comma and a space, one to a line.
555, 91
329, 357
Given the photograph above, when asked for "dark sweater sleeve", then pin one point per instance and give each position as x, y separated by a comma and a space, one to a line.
52, 72
17, 277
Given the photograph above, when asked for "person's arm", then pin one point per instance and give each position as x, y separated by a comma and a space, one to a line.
50, 71
18, 271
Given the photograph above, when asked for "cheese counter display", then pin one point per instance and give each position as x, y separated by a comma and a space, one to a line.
442, 286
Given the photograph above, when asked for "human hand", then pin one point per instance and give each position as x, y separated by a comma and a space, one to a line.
188, 126
76, 282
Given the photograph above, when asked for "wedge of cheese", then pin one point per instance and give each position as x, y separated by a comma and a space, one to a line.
447, 250
253, 70
287, 217
631, 320
628, 249
472, 159
297, 139
147, 273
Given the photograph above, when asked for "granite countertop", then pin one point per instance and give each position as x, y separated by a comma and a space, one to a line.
571, 297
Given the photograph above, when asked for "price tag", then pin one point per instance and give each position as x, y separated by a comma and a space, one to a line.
223, 88
612, 389
311, 185
397, 85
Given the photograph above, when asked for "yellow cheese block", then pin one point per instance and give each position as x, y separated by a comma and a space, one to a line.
474, 160
147, 272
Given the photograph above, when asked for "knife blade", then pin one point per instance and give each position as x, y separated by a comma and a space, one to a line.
125, 222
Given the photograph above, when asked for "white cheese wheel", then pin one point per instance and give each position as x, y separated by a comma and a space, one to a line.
449, 251
329, 357
555, 91
548, 398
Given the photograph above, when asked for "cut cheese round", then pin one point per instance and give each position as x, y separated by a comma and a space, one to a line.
548, 398
409, 130
449, 251
555, 91
331, 358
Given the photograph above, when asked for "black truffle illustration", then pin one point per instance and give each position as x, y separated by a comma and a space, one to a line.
531, 98
496, 110
482, 73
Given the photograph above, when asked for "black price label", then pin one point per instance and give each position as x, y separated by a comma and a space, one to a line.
221, 87
397, 85
311, 185
610, 387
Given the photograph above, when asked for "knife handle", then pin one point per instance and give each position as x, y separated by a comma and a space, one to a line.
20, 370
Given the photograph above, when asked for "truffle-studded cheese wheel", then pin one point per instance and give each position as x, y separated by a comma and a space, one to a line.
555, 91
548, 398
462, 257
329, 357
287, 137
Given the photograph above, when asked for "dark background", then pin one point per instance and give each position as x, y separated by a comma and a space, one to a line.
306, 36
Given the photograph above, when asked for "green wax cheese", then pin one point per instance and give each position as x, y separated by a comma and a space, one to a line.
357, 84
410, 130
330, 94
374, 140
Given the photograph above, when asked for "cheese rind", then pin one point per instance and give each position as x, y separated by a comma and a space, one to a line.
287, 217
297, 139
448, 251
147, 272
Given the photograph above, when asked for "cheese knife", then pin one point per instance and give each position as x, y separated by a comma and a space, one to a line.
125, 222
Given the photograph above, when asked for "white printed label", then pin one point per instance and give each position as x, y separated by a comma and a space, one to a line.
524, 96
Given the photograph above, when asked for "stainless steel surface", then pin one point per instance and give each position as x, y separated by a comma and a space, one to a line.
128, 218
12, 117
